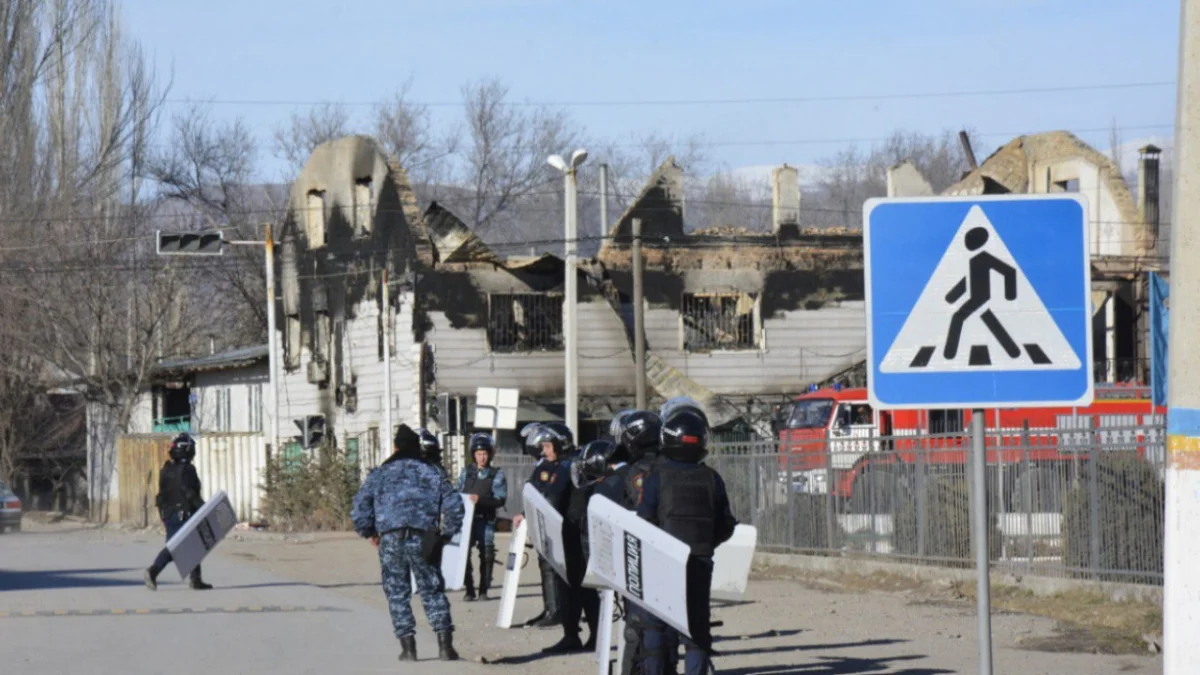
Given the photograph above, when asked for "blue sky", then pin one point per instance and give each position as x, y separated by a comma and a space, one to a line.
304, 50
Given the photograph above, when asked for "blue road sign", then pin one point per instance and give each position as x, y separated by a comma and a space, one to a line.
978, 302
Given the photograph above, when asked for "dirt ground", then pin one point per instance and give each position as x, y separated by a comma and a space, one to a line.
790, 623
787, 625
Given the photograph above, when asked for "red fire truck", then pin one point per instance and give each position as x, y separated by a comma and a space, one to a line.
835, 433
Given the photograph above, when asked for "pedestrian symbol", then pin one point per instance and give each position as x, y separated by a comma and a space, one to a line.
978, 311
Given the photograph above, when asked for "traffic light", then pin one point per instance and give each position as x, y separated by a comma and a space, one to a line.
312, 430
211, 242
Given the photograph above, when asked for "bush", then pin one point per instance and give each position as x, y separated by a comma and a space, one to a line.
1131, 498
947, 523
309, 491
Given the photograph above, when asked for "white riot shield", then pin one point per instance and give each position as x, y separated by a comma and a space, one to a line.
731, 564
201, 533
636, 559
545, 529
512, 575
455, 552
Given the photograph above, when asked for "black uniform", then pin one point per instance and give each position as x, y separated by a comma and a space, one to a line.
688, 501
577, 599
553, 481
178, 498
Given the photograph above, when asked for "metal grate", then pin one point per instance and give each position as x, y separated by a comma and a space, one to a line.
525, 322
714, 321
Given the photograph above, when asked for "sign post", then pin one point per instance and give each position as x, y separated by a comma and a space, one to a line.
978, 302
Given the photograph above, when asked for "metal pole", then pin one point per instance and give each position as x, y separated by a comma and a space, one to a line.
387, 358
1181, 578
603, 200
570, 324
639, 317
979, 536
272, 338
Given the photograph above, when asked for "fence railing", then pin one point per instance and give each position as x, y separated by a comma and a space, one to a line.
1067, 502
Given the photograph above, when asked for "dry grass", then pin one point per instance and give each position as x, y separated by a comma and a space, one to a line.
1088, 621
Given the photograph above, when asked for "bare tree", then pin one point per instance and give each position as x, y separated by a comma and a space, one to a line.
207, 170
296, 140
632, 160
502, 160
851, 176
404, 130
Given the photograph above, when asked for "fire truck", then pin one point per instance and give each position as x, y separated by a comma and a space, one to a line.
831, 440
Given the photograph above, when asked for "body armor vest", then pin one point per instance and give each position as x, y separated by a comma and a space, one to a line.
687, 506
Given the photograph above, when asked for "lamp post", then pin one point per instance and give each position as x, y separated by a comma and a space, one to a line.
571, 301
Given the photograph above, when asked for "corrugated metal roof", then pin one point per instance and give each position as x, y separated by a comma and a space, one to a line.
236, 358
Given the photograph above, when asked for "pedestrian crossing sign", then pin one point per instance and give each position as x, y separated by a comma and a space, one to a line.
978, 302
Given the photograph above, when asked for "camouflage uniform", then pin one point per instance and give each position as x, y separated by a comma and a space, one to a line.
398, 501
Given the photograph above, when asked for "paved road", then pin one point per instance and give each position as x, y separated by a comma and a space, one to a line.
313, 605
252, 623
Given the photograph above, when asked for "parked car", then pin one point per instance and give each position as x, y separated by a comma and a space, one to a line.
10, 509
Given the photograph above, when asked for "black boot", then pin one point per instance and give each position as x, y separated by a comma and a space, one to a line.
553, 597
408, 648
485, 572
150, 576
446, 647
569, 644
195, 582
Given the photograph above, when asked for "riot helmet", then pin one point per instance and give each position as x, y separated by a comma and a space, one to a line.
482, 441
640, 433
682, 403
555, 433
594, 461
685, 436
528, 446
431, 449
183, 448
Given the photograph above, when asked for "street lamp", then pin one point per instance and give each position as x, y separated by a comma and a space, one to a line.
570, 306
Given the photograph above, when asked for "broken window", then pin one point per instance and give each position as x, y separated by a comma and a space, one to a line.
315, 218
525, 322
362, 207
720, 321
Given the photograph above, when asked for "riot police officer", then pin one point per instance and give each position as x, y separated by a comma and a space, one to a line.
638, 432
409, 510
178, 498
554, 444
488, 488
687, 500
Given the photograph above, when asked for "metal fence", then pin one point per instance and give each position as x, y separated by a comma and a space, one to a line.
1069, 502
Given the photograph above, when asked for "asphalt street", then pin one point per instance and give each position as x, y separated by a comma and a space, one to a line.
77, 604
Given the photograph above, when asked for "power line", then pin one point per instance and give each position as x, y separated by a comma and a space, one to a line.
706, 101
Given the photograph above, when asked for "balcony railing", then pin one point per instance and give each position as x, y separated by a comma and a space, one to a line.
173, 425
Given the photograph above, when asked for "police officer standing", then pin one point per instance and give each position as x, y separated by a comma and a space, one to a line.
639, 432
488, 489
178, 498
553, 443
409, 511
687, 500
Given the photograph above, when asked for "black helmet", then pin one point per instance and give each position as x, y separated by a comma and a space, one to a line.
431, 450
550, 432
639, 432
527, 445
685, 436
682, 403
482, 441
593, 462
183, 448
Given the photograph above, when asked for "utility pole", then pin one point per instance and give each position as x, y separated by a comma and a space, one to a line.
1181, 577
571, 301
603, 200
639, 326
387, 358
272, 339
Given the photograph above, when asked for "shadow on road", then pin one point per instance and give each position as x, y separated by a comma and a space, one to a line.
839, 665
760, 636
40, 580
804, 648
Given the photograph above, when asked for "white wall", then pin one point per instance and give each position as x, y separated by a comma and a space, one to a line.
241, 388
